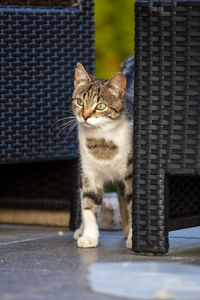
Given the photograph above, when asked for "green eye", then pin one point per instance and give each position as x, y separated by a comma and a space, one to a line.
101, 106
80, 102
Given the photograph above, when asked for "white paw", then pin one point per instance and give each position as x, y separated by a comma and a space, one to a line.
78, 233
129, 243
87, 242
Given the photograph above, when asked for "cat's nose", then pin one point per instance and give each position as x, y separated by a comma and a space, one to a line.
86, 115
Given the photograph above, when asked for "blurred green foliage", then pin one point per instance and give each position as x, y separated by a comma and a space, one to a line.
114, 35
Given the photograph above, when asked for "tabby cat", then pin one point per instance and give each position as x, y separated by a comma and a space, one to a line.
105, 143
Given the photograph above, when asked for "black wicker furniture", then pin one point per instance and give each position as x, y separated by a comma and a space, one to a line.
40, 44
166, 121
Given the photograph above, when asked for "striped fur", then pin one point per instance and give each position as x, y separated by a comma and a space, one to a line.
105, 142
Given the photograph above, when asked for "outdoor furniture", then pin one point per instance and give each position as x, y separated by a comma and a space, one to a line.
166, 121
40, 44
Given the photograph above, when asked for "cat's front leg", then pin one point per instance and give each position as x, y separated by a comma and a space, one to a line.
90, 236
79, 232
91, 201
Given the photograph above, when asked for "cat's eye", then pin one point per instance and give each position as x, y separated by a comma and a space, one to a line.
101, 106
80, 102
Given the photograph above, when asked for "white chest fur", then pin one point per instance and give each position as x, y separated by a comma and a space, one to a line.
120, 133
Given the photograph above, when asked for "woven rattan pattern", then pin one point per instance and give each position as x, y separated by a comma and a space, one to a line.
166, 111
39, 50
61, 3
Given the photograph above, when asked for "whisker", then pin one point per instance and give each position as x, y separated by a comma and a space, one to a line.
60, 120
66, 118
64, 125
71, 129
61, 130
68, 132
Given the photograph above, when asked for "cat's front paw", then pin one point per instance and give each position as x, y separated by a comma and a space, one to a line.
87, 242
78, 233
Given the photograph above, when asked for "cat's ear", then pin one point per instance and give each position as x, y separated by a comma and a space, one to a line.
81, 75
117, 84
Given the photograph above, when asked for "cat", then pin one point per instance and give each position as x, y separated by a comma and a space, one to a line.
106, 151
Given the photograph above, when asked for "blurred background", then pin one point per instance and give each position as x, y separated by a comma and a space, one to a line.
114, 35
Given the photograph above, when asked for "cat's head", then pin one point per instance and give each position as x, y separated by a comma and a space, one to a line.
96, 102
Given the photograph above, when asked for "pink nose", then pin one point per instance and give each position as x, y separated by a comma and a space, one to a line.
86, 115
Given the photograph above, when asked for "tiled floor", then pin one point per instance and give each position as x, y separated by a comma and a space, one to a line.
44, 262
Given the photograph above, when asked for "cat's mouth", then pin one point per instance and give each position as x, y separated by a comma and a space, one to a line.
84, 123
92, 122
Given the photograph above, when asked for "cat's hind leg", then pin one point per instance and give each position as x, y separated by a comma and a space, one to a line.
128, 193
125, 205
123, 208
129, 237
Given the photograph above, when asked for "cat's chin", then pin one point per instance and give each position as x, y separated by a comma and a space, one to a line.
94, 122
90, 123
87, 125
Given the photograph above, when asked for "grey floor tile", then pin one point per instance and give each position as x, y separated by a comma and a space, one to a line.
42, 263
